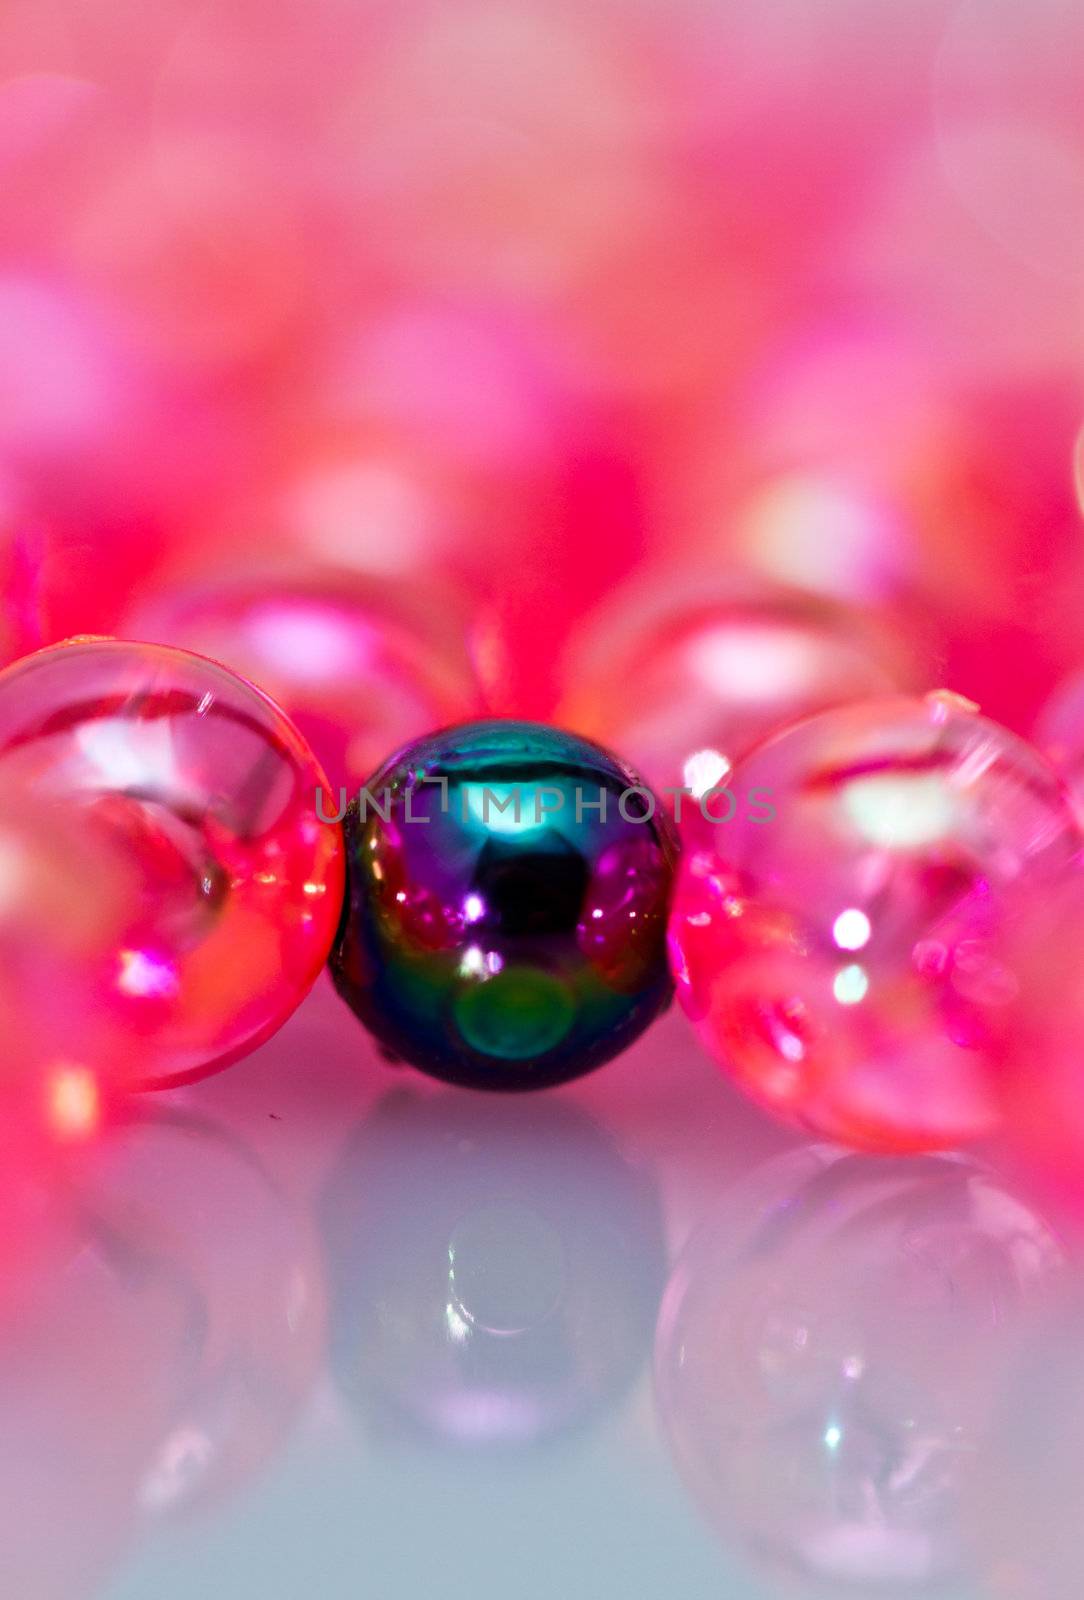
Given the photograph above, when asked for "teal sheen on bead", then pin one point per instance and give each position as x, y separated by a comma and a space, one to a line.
505, 918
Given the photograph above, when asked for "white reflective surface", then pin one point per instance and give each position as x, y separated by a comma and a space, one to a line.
320, 1327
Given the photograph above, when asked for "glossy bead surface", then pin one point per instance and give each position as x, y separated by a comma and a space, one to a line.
498, 952
209, 793
714, 675
827, 1362
360, 665
843, 948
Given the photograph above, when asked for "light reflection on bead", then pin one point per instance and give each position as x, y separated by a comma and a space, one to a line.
850, 961
206, 794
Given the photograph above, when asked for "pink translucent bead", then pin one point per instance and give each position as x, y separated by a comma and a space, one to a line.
684, 687
361, 665
209, 793
842, 945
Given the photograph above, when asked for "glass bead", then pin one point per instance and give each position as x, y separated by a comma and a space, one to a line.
209, 793
361, 665
502, 932
842, 944
827, 1359
714, 675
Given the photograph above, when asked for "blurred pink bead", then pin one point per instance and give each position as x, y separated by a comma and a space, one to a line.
209, 794
842, 945
362, 666
684, 685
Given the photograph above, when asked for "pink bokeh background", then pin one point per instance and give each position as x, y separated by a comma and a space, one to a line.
512, 306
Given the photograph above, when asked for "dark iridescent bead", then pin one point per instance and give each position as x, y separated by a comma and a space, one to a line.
506, 911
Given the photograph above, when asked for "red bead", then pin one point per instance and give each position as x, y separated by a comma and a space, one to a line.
209, 793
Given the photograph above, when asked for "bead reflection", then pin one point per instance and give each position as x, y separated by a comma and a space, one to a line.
252, 1278
161, 1359
495, 1271
825, 1357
